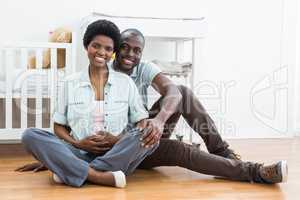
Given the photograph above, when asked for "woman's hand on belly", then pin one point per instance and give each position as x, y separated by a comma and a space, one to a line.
94, 144
109, 139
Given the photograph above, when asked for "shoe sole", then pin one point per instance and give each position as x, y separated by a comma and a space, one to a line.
284, 171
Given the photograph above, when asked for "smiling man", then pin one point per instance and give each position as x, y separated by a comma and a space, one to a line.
175, 100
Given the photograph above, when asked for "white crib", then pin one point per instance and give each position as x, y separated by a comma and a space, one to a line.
28, 96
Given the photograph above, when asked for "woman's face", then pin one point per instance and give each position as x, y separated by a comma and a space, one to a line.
100, 50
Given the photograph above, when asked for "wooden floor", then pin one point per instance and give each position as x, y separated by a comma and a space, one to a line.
161, 183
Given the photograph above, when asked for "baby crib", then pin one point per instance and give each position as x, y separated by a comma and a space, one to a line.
28, 96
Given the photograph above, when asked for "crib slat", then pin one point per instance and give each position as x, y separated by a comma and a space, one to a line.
49, 89
74, 55
39, 90
2, 66
9, 64
24, 56
54, 75
68, 67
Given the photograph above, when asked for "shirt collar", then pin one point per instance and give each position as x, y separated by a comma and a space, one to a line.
85, 77
134, 73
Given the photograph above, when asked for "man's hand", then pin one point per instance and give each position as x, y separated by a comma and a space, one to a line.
35, 167
93, 144
152, 131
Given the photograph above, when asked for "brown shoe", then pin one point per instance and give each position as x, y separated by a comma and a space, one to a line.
275, 173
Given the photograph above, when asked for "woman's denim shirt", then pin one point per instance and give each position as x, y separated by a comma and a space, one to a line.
122, 103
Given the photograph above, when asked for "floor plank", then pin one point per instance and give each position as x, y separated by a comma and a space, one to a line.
162, 182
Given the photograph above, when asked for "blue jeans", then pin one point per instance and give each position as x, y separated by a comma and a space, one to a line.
71, 164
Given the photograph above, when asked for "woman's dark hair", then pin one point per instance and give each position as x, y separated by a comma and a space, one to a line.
102, 27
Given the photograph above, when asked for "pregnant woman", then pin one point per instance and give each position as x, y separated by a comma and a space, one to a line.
93, 106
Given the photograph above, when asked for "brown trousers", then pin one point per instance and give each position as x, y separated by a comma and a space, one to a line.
175, 153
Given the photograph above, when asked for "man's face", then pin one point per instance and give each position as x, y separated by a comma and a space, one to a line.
130, 52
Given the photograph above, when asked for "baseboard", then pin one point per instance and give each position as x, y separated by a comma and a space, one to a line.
16, 141
12, 149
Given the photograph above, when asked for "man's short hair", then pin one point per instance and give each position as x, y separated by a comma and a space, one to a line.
133, 31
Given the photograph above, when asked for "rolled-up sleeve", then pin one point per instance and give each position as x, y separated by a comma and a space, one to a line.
150, 71
137, 110
61, 106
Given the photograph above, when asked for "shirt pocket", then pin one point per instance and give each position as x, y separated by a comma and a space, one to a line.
79, 109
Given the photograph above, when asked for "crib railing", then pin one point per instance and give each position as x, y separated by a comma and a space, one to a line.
19, 108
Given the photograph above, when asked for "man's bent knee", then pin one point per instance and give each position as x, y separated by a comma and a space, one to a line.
183, 89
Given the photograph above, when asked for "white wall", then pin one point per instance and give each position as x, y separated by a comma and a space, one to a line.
296, 75
33, 19
247, 41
